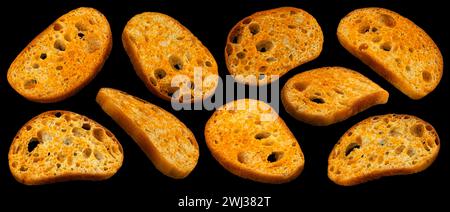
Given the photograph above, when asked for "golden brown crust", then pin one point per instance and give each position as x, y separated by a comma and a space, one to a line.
381, 146
250, 140
64, 58
272, 42
328, 95
58, 146
395, 48
161, 48
167, 142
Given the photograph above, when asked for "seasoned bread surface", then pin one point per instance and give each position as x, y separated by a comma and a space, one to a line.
64, 58
167, 142
249, 139
272, 42
60, 146
160, 49
395, 48
328, 95
383, 146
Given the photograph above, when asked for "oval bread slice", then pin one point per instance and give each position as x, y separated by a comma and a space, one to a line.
383, 146
395, 48
64, 58
328, 95
162, 50
60, 146
167, 142
272, 42
249, 139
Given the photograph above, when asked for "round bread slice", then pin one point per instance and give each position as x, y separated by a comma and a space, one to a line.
328, 95
169, 59
167, 142
394, 47
249, 139
383, 146
64, 58
60, 146
268, 44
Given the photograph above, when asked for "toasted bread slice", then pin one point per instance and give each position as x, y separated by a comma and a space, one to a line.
60, 146
328, 95
249, 139
63, 58
268, 44
166, 55
168, 143
395, 48
383, 146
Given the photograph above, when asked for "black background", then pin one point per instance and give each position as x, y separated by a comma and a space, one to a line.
138, 183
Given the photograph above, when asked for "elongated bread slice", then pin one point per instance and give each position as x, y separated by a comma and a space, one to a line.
249, 139
272, 42
328, 95
60, 146
64, 58
168, 58
383, 146
395, 48
168, 143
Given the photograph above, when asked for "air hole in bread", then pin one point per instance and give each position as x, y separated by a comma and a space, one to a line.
176, 62
29, 127
181, 37
43, 56
235, 35
208, 64
387, 20
30, 84
59, 44
67, 141
399, 149
57, 27
363, 47
411, 50
159, 73
274, 157
300, 86
410, 152
35, 66
247, 21
264, 46
87, 152
80, 26
426, 76
290, 26
292, 12
76, 131
23, 169
351, 147
59, 68
271, 59
386, 46
98, 155
254, 28
364, 29
317, 100
240, 55
262, 135
331, 168
243, 157
80, 35
86, 126
417, 130
408, 68
32, 144
99, 134
262, 69
376, 39
229, 49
